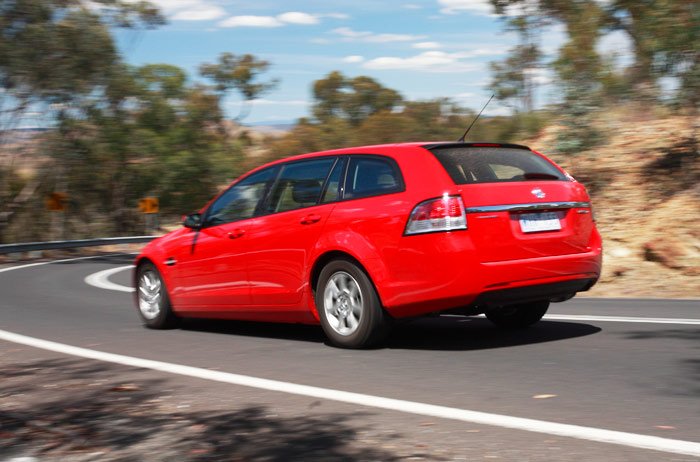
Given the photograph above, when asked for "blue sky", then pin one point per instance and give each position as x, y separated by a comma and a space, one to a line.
423, 48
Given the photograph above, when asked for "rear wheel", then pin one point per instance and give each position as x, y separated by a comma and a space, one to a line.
349, 307
518, 316
152, 299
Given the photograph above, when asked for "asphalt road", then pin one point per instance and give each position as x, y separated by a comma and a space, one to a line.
641, 378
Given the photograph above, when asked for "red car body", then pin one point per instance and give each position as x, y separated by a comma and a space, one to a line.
266, 267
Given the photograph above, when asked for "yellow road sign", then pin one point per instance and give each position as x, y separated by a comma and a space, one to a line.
148, 205
57, 201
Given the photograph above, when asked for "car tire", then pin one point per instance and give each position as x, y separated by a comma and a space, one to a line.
518, 316
152, 299
348, 306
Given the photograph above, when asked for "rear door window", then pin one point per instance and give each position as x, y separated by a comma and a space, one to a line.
476, 164
371, 176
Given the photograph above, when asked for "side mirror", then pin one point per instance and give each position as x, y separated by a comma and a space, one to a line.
192, 221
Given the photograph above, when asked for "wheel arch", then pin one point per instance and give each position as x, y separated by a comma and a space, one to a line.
332, 255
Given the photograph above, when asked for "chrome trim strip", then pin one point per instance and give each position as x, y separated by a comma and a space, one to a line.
528, 207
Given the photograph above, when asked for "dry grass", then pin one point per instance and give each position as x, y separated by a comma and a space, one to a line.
645, 186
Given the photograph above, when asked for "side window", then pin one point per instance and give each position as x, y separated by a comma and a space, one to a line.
334, 184
241, 200
299, 184
371, 176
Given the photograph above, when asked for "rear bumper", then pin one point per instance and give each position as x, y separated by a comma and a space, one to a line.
464, 283
531, 293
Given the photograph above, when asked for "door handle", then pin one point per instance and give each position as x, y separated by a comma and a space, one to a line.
310, 219
236, 233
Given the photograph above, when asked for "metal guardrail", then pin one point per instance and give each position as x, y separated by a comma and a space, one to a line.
52, 245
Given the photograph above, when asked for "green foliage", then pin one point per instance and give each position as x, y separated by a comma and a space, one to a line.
55, 56
56, 50
238, 73
513, 78
161, 139
436, 120
353, 100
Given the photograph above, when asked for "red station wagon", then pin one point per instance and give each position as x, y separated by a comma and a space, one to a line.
356, 238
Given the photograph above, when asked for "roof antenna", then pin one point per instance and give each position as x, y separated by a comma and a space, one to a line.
461, 140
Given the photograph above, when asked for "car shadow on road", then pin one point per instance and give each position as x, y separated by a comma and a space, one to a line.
69, 409
435, 333
473, 333
295, 332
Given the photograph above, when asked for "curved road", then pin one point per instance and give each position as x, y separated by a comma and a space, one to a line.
596, 372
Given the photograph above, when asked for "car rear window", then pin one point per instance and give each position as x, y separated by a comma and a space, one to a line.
481, 164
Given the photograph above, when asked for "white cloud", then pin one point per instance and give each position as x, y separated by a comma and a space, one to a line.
427, 45
353, 59
296, 17
482, 7
371, 37
335, 15
251, 21
486, 50
190, 10
540, 76
428, 61
466, 95
272, 102
552, 38
199, 13
619, 46
283, 19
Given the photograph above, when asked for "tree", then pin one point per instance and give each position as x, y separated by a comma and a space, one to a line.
514, 78
328, 96
578, 66
239, 73
353, 100
365, 97
158, 137
52, 54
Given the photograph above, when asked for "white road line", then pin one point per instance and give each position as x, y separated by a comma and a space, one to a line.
584, 317
101, 279
65, 260
539, 426
628, 319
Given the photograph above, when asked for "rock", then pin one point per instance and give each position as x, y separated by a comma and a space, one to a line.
668, 252
620, 252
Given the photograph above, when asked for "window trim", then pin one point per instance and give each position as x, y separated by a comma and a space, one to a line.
341, 180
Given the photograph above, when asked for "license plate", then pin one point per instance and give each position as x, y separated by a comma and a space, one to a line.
544, 221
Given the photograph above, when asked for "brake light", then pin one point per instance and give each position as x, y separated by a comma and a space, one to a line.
434, 215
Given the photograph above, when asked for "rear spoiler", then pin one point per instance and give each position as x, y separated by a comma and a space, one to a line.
453, 144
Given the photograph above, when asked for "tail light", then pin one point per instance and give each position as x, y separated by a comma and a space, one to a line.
435, 215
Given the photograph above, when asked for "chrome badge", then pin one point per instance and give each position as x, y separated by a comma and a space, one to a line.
538, 193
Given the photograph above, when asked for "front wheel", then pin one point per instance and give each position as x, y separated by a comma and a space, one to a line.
518, 316
152, 299
349, 307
